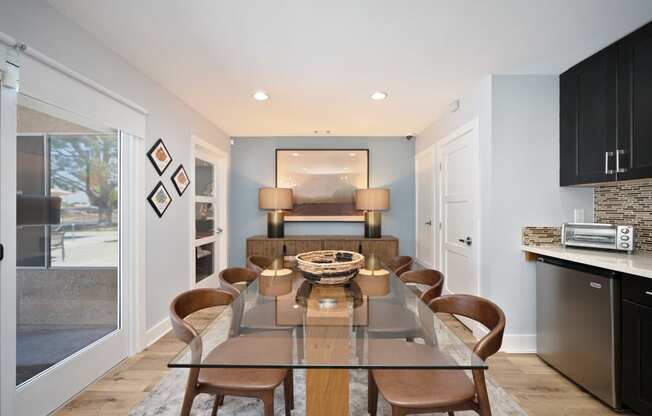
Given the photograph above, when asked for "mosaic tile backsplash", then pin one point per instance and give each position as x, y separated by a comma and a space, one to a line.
627, 203
536, 236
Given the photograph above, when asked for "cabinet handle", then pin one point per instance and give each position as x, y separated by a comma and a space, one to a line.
647, 292
618, 153
607, 171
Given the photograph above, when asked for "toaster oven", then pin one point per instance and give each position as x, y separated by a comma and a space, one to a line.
603, 236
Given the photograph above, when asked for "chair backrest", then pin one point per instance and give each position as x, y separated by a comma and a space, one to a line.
228, 278
481, 310
190, 302
400, 264
432, 278
259, 263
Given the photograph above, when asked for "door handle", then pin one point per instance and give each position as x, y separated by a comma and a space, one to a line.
618, 168
466, 241
607, 171
219, 231
648, 292
429, 222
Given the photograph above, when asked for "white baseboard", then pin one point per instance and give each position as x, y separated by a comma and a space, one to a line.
156, 332
512, 343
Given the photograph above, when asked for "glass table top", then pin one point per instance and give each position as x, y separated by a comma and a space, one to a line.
282, 320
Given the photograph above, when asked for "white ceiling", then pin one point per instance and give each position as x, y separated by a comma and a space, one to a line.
320, 60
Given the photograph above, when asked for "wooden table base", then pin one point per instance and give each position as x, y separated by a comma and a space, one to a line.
327, 334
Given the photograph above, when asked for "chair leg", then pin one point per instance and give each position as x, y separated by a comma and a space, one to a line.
288, 389
216, 405
268, 402
191, 392
287, 393
372, 394
398, 411
451, 413
484, 408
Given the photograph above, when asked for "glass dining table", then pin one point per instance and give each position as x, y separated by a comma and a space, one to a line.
282, 320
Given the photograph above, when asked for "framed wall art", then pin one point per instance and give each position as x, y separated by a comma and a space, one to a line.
159, 156
180, 180
159, 199
323, 181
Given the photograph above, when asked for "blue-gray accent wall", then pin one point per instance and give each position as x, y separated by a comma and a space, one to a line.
253, 164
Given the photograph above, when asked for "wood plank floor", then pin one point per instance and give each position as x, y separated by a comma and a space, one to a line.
539, 389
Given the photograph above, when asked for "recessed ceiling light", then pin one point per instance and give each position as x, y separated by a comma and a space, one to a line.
261, 96
295, 154
351, 154
378, 95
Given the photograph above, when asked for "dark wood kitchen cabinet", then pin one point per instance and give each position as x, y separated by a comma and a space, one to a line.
637, 343
605, 114
635, 105
588, 119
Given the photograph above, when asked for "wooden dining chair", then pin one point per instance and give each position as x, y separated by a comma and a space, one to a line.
426, 391
243, 382
259, 263
433, 279
400, 264
233, 277
389, 319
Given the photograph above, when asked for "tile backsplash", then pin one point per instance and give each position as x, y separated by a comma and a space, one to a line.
536, 236
627, 203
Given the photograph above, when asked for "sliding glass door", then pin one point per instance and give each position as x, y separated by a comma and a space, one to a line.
67, 239
67, 268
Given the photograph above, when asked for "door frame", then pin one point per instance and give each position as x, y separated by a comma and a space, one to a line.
222, 164
435, 260
472, 126
8, 101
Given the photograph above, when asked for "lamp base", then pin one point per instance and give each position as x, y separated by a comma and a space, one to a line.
275, 224
372, 221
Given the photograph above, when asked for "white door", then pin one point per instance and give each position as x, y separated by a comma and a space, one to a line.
458, 163
425, 202
208, 229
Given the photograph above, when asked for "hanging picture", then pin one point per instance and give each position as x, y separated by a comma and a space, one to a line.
159, 156
180, 180
159, 199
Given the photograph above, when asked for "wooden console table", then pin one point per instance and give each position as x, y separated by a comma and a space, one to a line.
385, 247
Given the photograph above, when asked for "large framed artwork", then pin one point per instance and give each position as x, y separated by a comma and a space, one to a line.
323, 182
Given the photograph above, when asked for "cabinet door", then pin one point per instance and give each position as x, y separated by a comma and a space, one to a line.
635, 105
637, 357
588, 120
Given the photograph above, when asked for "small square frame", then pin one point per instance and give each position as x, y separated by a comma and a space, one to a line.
155, 206
159, 165
181, 188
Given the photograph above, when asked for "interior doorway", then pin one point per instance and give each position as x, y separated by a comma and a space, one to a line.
209, 213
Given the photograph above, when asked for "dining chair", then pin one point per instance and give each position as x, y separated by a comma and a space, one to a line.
426, 391
389, 319
259, 263
400, 264
232, 277
433, 280
243, 382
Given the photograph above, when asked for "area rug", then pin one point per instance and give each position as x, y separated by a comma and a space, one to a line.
166, 397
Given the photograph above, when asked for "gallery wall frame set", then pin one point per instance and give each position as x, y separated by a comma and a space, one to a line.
160, 199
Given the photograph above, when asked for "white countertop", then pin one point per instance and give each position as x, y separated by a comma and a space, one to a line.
636, 264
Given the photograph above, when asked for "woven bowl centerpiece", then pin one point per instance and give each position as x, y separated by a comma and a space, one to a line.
330, 267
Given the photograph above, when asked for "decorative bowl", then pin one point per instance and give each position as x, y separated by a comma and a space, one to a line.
329, 267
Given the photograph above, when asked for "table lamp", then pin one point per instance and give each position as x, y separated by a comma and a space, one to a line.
275, 200
372, 201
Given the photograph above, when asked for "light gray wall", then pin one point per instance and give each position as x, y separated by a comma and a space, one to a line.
168, 262
518, 120
525, 188
391, 165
